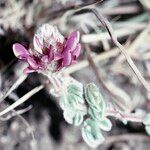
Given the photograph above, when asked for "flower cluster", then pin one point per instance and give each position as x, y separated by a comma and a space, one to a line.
51, 50
81, 105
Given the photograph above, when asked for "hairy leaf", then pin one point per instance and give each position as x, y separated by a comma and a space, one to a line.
72, 96
94, 98
73, 116
105, 124
91, 133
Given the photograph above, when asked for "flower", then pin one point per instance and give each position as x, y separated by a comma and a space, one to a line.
71, 50
51, 50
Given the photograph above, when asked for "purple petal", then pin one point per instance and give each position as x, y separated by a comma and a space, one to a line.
58, 56
32, 63
20, 51
75, 34
67, 59
73, 62
28, 70
50, 54
76, 52
59, 65
45, 59
72, 41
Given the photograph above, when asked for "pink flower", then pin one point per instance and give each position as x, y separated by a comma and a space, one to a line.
71, 50
51, 50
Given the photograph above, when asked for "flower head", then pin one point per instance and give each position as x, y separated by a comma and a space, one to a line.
51, 50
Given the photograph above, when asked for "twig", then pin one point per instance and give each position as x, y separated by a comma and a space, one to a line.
15, 85
107, 25
137, 42
89, 38
26, 123
22, 99
126, 9
84, 63
124, 116
100, 80
132, 9
59, 12
18, 112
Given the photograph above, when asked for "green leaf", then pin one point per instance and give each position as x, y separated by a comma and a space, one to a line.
92, 94
91, 133
73, 117
94, 114
72, 100
103, 107
146, 120
72, 96
78, 118
94, 98
76, 91
105, 124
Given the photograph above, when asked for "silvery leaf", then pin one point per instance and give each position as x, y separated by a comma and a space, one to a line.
94, 114
146, 120
72, 96
72, 100
105, 124
68, 115
91, 133
103, 107
147, 128
78, 119
73, 117
76, 91
92, 94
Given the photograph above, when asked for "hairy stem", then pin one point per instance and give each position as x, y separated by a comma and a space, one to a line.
125, 116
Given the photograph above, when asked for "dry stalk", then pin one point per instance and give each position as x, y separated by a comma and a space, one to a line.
22, 99
107, 25
101, 82
14, 86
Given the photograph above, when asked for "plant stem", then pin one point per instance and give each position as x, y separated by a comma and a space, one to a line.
125, 116
107, 25
119, 102
21, 100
